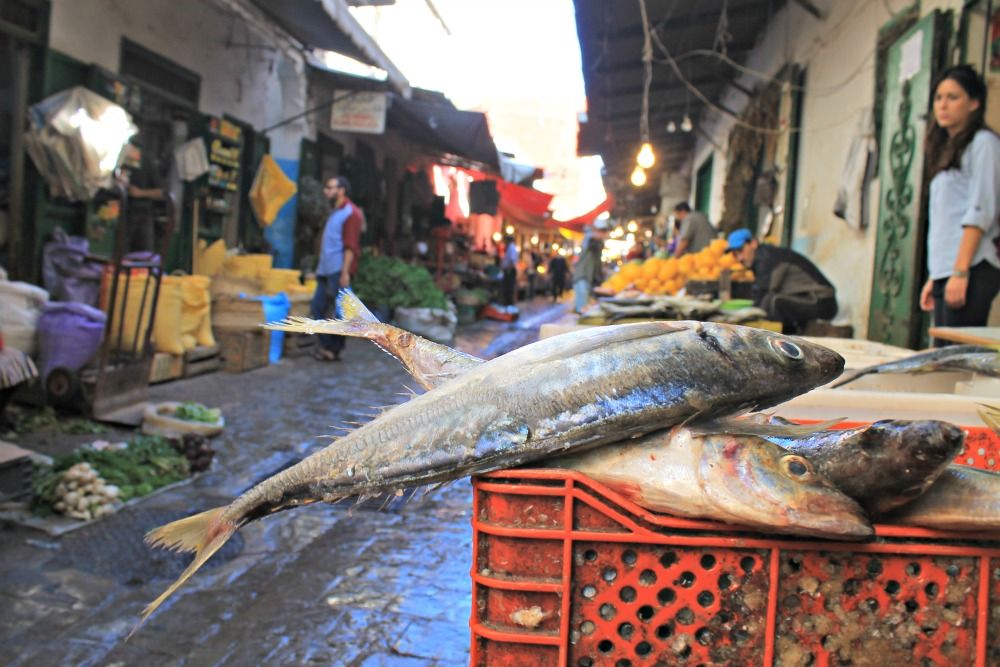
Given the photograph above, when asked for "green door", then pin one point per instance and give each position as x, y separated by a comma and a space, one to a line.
703, 186
912, 61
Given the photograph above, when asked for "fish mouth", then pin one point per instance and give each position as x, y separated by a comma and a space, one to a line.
832, 517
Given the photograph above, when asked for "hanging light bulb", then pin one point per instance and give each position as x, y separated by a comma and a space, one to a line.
638, 177
671, 127
509, 229
632, 226
686, 124
645, 158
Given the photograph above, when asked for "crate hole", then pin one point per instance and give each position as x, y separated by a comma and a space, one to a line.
645, 613
668, 559
892, 587
748, 563
707, 562
589, 592
647, 578
666, 596
911, 606
684, 652
705, 599
872, 605
585, 662
874, 567
725, 581
704, 636
739, 635
629, 557
929, 630
664, 631
627, 594
643, 648
625, 631
723, 617
588, 627
685, 616
589, 555
851, 587
606, 646
609, 575
931, 589
686, 579
624, 662
794, 564
913, 569
607, 611
952, 570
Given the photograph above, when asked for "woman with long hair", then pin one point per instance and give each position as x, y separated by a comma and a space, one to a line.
963, 165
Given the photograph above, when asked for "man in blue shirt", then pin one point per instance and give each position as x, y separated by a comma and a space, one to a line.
338, 260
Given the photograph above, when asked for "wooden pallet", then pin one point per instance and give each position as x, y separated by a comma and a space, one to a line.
243, 350
166, 367
202, 359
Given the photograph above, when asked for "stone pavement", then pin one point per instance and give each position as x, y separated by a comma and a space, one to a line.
323, 585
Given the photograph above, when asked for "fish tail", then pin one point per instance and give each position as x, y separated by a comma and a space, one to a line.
350, 307
203, 533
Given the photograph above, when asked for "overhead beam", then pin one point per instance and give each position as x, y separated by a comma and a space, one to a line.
683, 22
736, 51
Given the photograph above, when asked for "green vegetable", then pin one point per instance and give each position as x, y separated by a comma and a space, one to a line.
196, 412
149, 462
389, 281
46, 419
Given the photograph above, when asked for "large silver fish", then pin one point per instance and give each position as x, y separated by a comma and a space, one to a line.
740, 479
974, 358
578, 390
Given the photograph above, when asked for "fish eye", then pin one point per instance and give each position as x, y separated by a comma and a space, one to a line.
786, 348
797, 467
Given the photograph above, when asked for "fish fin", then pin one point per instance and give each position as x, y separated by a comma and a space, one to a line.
734, 426
307, 325
990, 414
350, 307
203, 533
597, 338
850, 378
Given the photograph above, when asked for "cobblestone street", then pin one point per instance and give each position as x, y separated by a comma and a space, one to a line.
325, 585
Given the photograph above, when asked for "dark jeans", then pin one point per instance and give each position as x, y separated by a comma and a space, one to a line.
794, 314
558, 286
323, 306
984, 282
509, 286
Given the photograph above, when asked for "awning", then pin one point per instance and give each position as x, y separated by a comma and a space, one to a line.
587, 218
465, 134
328, 25
524, 205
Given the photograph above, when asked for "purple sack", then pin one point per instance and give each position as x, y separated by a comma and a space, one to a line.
69, 335
67, 273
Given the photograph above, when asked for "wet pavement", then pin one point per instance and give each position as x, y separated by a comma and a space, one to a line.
323, 585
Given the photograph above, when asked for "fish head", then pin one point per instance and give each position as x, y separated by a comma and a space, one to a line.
760, 483
907, 457
773, 367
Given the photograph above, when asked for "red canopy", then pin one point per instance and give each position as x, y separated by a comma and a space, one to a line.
579, 222
524, 205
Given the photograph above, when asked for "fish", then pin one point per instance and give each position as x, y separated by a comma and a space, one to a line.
974, 358
882, 465
737, 479
962, 498
581, 389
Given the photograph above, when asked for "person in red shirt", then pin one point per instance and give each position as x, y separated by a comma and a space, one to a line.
340, 249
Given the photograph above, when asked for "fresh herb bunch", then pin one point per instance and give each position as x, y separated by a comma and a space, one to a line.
149, 462
196, 412
388, 281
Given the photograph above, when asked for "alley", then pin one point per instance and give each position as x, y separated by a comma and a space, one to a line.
326, 585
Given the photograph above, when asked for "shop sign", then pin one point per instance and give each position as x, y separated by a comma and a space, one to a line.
361, 112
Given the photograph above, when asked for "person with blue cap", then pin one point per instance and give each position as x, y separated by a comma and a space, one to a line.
786, 284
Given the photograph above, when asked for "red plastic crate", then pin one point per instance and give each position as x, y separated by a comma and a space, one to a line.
567, 572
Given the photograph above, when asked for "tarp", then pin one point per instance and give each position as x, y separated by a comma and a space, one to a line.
524, 205
308, 22
587, 218
465, 134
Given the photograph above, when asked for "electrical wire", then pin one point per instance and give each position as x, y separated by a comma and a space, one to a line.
647, 71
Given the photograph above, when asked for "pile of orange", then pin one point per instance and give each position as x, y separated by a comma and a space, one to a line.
668, 275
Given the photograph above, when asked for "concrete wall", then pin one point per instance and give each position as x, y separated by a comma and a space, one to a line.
838, 53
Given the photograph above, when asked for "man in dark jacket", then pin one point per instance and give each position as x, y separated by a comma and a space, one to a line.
786, 285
